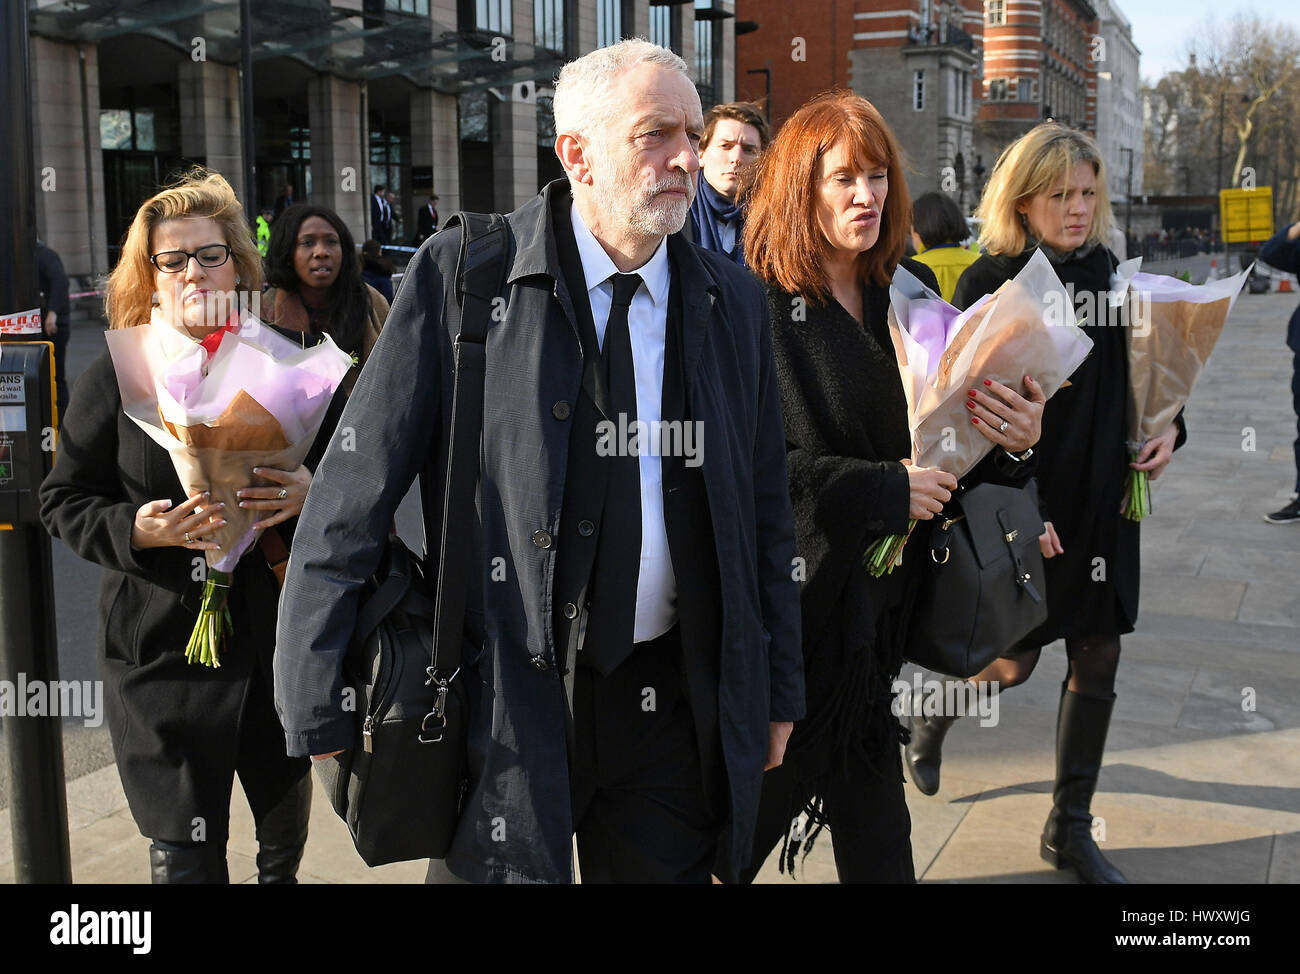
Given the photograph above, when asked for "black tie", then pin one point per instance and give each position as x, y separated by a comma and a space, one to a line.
612, 620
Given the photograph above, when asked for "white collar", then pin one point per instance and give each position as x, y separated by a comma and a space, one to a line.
597, 266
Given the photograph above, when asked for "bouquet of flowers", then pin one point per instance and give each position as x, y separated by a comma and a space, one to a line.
256, 399
1025, 327
1173, 327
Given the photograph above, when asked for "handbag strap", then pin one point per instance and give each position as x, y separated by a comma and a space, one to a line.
1009, 535
485, 242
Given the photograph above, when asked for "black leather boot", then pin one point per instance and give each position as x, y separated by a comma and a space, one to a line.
170, 863
1081, 727
282, 835
924, 751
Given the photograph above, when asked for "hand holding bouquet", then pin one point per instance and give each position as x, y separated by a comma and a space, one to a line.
245, 413
1026, 327
1173, 328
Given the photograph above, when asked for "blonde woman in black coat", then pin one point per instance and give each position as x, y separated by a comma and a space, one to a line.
827, 220
181, 731
1048, 192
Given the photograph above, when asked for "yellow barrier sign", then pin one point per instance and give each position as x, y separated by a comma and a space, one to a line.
1246, 215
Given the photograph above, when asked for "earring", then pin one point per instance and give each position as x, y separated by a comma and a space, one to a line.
236, 278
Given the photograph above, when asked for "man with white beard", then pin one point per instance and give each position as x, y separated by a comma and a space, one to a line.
635, 662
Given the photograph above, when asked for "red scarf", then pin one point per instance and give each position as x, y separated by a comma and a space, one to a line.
213, 338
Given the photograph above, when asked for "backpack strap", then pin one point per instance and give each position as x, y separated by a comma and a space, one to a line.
485, 245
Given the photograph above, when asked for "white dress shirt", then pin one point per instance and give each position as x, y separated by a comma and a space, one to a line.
647, 320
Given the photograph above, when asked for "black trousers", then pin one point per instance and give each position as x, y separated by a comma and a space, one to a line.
1295, 403
866, 813
639, 806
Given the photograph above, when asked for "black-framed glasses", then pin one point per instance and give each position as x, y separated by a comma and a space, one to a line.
175, 261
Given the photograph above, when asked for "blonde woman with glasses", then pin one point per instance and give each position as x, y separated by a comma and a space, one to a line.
1048, 192
180, 731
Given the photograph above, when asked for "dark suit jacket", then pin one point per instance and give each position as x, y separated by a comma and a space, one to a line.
1284, 254
381, 219
426, 224
399, 412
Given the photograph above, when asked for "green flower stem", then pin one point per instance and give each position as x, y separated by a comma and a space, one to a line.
885, 554
1137, 494
213, 624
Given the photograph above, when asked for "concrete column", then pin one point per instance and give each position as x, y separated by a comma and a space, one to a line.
337, 151
727, 82
586, 27
69, 208
209, 109
514, 156
435, 141
640, 26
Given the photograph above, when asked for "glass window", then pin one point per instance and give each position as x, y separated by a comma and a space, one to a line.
661, 26
1024, 89
548, 25
609, 22
994, 13
115, 128
493, 15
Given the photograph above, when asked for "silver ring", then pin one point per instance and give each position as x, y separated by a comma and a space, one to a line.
284, 492
1003, 428
188, 539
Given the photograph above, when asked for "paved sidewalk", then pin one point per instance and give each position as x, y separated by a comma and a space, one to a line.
1202, 775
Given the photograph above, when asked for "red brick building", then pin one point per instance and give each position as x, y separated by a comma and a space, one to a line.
918, 61
1040, 61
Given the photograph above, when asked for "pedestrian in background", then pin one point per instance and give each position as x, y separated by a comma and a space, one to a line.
1282, 251
828, 217
1048, 192
938, 232
734, 135
316, 286
263, 230
180, 731
377, 270
56, 316
427, 223
381, 215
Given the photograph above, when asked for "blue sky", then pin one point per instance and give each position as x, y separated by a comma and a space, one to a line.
1162, 39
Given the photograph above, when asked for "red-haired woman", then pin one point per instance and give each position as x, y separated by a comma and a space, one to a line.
828, 214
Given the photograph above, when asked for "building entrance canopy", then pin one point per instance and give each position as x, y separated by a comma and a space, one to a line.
359, 45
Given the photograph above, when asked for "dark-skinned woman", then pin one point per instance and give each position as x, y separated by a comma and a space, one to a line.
316, 286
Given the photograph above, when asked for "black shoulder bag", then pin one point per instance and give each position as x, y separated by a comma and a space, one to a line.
400, 785
982, 588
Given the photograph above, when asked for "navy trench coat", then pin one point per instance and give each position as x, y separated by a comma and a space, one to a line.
516, 824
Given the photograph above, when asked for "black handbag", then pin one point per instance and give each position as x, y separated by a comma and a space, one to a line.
982, 588
400, 786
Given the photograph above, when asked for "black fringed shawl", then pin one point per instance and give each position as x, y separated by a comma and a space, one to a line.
846, 431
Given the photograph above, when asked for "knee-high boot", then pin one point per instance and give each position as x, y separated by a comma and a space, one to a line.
1081, 727
170, 863
282, 835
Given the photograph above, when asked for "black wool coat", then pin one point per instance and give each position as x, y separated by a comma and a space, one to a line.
846, 434
175, 726
1082, 459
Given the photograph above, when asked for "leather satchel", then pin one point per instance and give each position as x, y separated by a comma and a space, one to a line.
982, 588
400, 786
